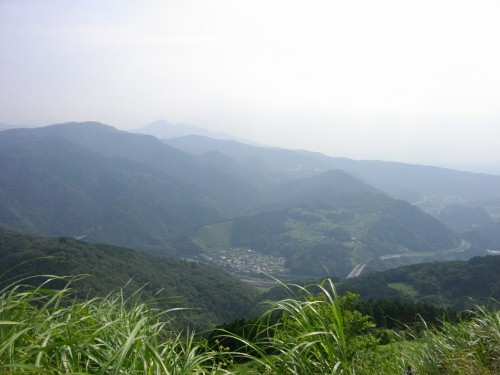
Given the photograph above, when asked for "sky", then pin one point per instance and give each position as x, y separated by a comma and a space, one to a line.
410, 81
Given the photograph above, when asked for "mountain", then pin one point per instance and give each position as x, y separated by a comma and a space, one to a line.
4, 126
212, 296
464, 219
54, 187
148, 150
294, 210
319, 187
430, 188
271, 165
486, 237
166, 130
91, 180
326, 223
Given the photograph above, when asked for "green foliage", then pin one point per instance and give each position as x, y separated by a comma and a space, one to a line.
396, 314
471, 346
310, 333
254, 231
405, 288
456, 284
330, 235
321, 333
213, 237
211, 296
88, 179
45, 331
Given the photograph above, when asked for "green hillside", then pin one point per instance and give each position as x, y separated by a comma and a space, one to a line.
330, 232
431, 188
454, 285
56, 188
457, 284
212, 295
226, 192
463, 219
266, 166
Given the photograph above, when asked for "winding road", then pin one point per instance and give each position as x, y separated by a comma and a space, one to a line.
358, 268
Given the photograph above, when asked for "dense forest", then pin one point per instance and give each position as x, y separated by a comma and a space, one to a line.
210, 295
455, 284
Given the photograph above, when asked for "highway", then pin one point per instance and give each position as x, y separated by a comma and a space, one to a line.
358, 268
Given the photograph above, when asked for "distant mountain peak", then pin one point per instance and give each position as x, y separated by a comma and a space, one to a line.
83, 123
88, 125
320, 186
165, 130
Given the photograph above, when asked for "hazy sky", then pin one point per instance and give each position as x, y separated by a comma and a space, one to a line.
414, 81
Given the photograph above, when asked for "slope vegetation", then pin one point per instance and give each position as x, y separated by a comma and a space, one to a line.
91, 180
329, 223
293, 209
457, 284
211, 295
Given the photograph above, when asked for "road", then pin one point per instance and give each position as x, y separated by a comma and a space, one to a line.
356, 271
358, 268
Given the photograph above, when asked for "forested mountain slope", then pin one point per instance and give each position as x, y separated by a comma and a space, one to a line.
271, 165
226, 192
457, 284
432, 188
91, 181
53, 187
212, 296
324, 227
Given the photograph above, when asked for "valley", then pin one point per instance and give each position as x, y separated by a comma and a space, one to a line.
213, 200
246, 262
249, 188
194, 240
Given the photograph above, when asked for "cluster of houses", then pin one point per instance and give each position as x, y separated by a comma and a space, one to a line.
247, 261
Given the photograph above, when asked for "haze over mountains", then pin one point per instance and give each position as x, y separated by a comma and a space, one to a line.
165, 130
419, 184
195, 196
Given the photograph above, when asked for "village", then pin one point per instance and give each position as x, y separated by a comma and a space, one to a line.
246, 261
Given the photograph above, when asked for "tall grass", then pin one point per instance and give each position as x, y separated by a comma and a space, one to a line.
46, 331
321, 334
313, 334
471, 346
310, 333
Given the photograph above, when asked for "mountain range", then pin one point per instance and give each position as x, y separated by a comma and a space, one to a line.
166, 130
198, 197
430, 188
